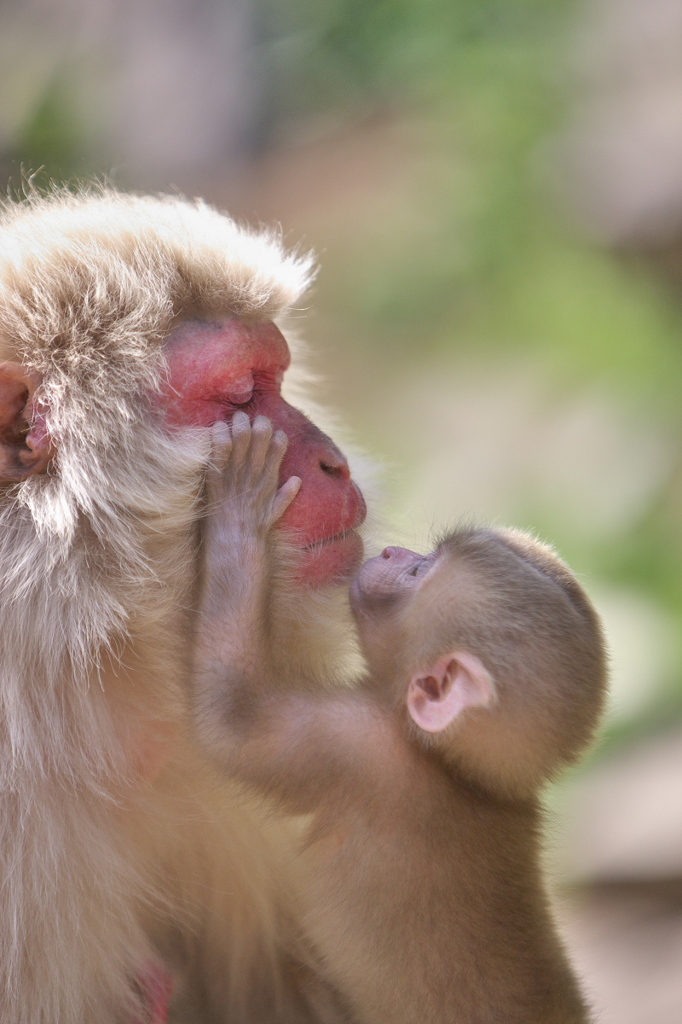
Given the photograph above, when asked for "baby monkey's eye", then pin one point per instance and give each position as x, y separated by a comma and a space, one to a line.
421, 567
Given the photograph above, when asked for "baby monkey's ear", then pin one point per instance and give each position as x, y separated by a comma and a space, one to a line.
455, 682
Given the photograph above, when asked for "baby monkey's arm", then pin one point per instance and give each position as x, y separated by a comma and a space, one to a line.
264, 725
243, 504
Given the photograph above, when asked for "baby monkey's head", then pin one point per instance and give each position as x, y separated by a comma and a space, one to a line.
497, 647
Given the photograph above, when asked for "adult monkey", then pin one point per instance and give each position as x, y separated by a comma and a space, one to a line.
128, 325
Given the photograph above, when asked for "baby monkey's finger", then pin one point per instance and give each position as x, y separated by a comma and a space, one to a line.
275, 454
241, 436
261, 436
221, 447
284, 497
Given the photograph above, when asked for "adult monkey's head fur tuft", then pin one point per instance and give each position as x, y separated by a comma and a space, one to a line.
102, 271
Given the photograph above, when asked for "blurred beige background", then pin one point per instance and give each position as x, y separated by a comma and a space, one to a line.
494, 189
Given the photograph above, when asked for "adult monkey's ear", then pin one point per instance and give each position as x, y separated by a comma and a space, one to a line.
25, 446
454, 682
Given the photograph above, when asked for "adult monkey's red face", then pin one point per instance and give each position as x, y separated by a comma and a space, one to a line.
218, 366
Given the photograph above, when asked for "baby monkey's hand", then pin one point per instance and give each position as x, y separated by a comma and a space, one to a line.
241, 481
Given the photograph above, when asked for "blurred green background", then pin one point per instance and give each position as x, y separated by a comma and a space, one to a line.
494, 189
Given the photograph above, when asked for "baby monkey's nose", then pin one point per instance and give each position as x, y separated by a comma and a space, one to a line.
400, 554
389, 552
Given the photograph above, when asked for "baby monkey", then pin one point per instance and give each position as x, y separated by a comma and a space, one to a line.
485, 675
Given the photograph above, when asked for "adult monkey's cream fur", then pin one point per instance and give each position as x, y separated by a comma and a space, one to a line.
117, 842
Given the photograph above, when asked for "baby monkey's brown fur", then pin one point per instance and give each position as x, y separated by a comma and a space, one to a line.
486, 675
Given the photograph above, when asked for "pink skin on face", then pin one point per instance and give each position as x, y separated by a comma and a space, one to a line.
220, 366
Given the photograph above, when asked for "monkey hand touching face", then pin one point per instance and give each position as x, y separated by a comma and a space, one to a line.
486, 674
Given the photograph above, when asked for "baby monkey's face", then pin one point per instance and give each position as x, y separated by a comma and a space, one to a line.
382, 592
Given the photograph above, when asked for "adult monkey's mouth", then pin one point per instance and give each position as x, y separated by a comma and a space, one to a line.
343, 535
332, 559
